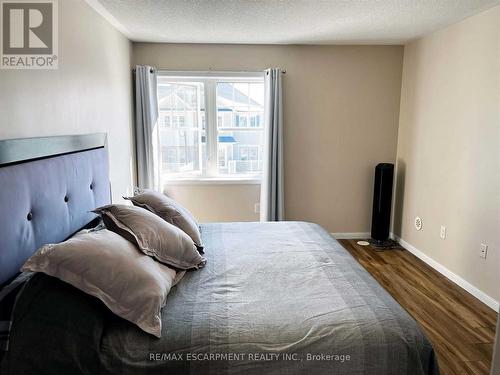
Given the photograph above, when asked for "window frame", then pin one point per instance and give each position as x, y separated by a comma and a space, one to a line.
209, 168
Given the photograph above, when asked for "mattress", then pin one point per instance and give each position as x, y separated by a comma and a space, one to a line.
273, 298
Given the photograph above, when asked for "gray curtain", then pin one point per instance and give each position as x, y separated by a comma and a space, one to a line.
146, 116
272, 193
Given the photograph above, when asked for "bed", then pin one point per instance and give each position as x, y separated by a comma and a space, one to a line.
273, 298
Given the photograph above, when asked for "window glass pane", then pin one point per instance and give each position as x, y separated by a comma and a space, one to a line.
240, 109
241, 92
240, 105
240, 152
181, 115
256, 94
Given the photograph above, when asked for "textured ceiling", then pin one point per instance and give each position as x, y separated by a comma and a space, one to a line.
284, 21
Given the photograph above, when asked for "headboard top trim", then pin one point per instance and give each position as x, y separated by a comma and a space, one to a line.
26, 149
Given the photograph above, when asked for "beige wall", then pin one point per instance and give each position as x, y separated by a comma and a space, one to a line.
341, 109
90, 92
449, 148
216, 203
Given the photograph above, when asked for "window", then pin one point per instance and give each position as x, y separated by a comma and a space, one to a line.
210, 126
180, 108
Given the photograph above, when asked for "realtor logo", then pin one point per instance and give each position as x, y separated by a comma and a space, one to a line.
28, 34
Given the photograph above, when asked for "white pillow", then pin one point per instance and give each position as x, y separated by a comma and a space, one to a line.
153, 235
107, 266
169, 210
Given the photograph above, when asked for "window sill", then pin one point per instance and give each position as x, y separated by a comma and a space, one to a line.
214, 181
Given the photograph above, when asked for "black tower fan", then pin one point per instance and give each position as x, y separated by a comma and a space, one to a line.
382, 200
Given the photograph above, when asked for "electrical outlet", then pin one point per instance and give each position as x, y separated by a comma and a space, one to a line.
418, 223
256, 208
483, 251
442, 233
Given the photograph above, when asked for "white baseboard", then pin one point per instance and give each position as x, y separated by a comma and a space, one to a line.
350, 236
480, 295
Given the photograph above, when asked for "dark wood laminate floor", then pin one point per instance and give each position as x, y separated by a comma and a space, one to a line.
460, 327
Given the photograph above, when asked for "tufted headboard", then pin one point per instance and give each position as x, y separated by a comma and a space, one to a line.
47, 188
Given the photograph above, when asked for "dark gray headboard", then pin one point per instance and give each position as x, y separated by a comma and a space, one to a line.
48, 186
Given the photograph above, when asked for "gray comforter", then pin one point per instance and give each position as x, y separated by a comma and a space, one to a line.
274, 298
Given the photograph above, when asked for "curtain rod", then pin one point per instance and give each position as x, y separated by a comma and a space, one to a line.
283, 71
209, 71
150, 70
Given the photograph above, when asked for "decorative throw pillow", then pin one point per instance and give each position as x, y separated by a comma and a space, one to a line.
105, 265
170, 211
154, 236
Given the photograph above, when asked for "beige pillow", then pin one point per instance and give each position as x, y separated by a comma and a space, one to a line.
104, 265
154, 236
170, 211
